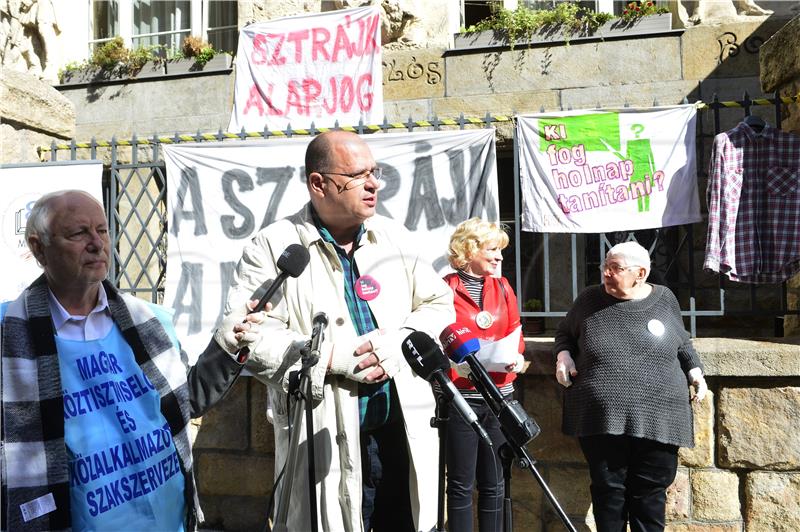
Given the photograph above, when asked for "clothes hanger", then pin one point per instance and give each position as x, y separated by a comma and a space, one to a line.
755, 122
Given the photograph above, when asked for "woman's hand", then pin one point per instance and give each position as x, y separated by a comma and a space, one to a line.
518, 365
699, 383
565, 369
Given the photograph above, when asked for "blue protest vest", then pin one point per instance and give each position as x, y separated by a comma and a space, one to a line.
125, 473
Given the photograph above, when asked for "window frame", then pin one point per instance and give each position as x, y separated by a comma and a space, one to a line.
198, 23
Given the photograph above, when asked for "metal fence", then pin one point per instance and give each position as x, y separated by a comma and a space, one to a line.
548, 267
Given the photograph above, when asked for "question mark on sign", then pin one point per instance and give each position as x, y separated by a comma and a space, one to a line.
637, 129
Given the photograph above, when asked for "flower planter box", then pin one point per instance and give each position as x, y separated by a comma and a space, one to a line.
613, 29
89, 75
177, 67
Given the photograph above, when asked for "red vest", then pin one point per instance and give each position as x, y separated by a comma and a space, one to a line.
501, 303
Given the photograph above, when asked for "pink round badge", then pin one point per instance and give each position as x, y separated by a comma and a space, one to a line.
367, 288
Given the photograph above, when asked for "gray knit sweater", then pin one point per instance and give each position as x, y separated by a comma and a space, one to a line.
631, 379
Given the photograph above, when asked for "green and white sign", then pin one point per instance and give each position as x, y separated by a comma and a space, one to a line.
608, 169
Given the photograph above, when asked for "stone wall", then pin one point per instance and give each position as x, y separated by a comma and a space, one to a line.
742, 474
32, 114
779, 60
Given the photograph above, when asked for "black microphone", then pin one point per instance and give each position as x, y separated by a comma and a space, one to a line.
428, 362
460, 345
291, 263
318, 324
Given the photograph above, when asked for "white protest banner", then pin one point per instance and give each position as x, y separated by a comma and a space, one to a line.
20, 186
608, 170
220, 194
316, 68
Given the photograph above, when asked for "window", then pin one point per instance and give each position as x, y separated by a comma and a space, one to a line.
161, 22
164, 22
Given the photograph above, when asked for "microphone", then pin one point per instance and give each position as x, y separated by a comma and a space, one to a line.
291, 263
428, 362
318, 324
461, 345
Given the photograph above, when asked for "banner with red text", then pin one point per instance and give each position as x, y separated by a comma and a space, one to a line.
319, 68
220, 194
608, 170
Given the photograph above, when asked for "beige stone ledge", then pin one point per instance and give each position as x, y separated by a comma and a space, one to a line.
722, 357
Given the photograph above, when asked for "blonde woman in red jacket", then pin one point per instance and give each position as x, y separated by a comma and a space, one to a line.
487, 305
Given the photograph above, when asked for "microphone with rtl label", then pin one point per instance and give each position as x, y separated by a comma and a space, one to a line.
461, 345
428, 362
291, 263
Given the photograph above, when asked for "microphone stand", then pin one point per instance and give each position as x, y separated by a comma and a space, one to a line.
518, 429
438, 421
300, 390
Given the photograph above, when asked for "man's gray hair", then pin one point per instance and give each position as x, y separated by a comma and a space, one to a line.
632, 253
38, 223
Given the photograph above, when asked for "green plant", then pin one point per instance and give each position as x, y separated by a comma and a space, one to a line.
639, 8
201, 51
110, 54
138, 57
532, 305
70, 69
524, 22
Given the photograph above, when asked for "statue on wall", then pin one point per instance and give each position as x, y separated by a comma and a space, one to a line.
28, 36
710, 11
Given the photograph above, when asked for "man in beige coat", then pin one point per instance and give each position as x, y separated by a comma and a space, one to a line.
375, 451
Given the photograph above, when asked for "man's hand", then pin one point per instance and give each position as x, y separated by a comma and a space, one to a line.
375, 358
565, 369
699, 383
240, 328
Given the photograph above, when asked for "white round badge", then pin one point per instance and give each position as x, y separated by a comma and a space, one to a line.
484, 319
656, 327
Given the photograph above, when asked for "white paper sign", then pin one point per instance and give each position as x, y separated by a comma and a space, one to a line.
20, 187
608, 170
318, 68
496, 355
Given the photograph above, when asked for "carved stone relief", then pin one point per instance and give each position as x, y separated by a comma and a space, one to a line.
714, 11
28, 35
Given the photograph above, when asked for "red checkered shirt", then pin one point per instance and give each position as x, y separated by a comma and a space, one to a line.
754, 205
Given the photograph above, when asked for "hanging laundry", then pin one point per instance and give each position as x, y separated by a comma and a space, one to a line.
753, 199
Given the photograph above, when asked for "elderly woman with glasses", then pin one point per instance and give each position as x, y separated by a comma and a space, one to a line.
625, 360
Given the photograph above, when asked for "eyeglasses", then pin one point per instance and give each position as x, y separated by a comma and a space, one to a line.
615, 269
356, 180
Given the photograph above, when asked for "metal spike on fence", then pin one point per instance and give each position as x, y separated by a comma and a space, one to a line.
243, 133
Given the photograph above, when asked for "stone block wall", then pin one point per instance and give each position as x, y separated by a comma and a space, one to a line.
742, 475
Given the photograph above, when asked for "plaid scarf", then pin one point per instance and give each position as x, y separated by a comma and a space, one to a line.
33, 461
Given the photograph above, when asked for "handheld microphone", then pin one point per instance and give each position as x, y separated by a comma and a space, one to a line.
461, 345
428, 362
291, 263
